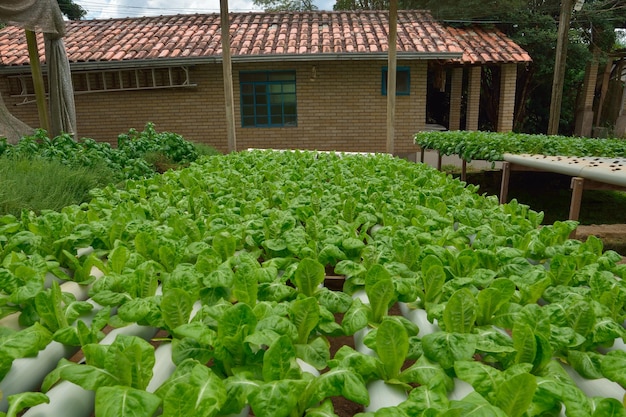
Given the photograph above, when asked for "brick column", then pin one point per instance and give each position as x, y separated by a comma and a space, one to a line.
584, 113
506, 110
473, 98
456, 92
419, 93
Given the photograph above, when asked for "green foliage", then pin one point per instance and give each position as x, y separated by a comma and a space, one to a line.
491, 146
512, 303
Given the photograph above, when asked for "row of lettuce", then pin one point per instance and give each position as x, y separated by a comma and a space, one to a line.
491, 146
228, 257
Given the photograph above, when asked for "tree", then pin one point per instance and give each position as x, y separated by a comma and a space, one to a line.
286, 5
72, 10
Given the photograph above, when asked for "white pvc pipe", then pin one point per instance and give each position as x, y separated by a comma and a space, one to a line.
70, 400
601, 387
81, 292
461, 390
384, 395
419, 317
163, 366
67, 400
26, 374
594, 168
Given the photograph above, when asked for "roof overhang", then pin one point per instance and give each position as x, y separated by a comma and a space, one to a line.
168, 62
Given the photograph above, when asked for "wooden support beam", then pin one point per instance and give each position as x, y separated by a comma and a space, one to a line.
391, 75
227, 71
40, 89
504, 184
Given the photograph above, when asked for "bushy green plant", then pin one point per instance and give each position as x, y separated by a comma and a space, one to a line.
136, 144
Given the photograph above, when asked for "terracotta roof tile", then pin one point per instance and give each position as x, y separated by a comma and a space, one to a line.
254, 34
481, 46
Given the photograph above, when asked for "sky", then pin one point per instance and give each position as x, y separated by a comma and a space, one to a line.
104, 9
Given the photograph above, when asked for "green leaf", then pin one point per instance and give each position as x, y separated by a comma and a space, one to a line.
524, 342
356, 318
326, 409
225, 245
87, 376
190, 348
118, 401
335, 301
474, 405
279, 361
515, 395
131, 360
428, 374
23, 400
587, 364
305, 314
433, 276
447, 348
392, 346
246, 284
309, 276
380, 291
276, 398
613, 365
483, 378
609, 407
316, 352
338, 382
176, 306
460, 312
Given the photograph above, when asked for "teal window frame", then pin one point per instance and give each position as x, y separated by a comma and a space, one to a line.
403, 81
268, 98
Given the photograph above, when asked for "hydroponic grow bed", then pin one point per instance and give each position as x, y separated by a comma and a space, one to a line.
227, 258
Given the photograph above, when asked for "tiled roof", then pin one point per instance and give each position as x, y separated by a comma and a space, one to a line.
293, 35
483, 46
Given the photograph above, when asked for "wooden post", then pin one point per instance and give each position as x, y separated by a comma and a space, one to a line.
391, 75
577, 186
504, 184
559, 67
40, 89
227, 71
463, 170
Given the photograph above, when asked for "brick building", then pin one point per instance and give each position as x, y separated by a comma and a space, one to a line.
309, 80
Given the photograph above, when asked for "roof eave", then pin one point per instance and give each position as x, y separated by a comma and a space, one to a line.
187, 61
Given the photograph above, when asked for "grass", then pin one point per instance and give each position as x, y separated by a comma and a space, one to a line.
38, 184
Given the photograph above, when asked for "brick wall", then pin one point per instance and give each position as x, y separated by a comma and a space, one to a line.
339, 108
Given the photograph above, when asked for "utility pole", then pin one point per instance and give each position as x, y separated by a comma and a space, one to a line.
559, 67
227, 71
391, 74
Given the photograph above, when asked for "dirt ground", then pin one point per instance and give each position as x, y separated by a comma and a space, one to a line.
612, 235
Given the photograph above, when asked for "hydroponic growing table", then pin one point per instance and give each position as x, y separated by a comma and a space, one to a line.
591, 173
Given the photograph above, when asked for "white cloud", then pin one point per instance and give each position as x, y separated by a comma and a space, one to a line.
103, 9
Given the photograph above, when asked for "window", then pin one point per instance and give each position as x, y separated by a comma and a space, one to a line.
268, 98
403, 81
